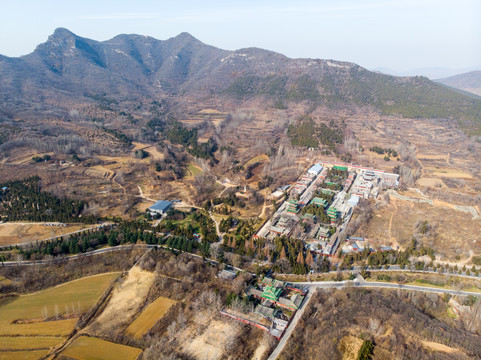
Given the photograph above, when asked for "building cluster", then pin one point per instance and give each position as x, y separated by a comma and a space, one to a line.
332, 190
370, 182
277, 303
355, 244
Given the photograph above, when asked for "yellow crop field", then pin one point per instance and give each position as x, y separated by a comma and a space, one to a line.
73, 297
5, 281
258, 158
90, 348
151, 314
47, 328
23, 355
28, 342
193, 170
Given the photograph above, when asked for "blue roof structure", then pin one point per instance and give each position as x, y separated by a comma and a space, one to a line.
4, 188
316, 169
161, 205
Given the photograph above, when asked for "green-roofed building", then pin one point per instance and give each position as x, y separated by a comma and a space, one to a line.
319, 202
333, 213
340, 168
292, 208
271, 293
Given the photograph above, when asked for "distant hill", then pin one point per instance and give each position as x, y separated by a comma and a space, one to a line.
70, 67
470, 81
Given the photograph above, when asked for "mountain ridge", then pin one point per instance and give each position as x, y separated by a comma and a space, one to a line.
130, 65
469, 81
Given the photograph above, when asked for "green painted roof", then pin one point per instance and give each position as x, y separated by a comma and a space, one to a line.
319, 201
271, 293
342, 168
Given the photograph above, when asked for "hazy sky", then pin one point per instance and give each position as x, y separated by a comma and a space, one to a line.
398, 34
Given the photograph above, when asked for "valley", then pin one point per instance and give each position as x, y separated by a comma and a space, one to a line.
288, 189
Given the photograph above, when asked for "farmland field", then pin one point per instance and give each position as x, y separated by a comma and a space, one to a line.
23, 355
28, 342
31, 332
70, 298
12, 233
193, 170
256, 159
151, 314
4, 281
47, 328
126, 298
89, 348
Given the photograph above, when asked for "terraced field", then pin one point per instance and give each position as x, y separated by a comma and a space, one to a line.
151, 314
90, 348
69, 299
30, 325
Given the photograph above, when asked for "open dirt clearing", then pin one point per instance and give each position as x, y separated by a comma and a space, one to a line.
11, 233
126, 299
455, 232
90, 348
151, 149
210, 345
260, 351
151, 314
349, 346
439, 347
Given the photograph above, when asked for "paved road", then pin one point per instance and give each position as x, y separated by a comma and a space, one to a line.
104, 251
358, 282
383, 285
280, 346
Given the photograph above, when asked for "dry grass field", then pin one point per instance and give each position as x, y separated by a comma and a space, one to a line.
126, 299
90, 348
211, 343
455, 232
12, 233
151, 314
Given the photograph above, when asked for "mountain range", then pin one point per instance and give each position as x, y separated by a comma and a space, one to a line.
470, 81
70, 67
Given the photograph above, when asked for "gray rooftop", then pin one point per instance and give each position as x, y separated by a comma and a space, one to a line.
161, 205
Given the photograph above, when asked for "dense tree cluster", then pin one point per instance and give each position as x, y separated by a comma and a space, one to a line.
392, 257
120, 136
179, 134
318, 211
24, 200
373, 312
125, 233
197, 222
